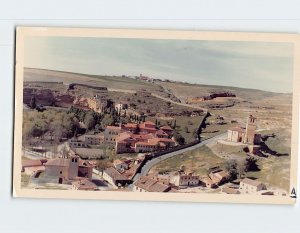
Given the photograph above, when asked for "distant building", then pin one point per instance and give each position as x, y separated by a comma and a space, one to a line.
251, 186
148, 184
76, 143
111, 133
122, 105
94, 139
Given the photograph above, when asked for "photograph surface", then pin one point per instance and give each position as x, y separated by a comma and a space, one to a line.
156, 115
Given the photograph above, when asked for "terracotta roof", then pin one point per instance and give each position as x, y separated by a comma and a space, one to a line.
251, 182
130, 125
166, 127
85, 163
31, 163
151, 185
161, 132
84, 184
113, 127
114, 174
118, 161
58, 162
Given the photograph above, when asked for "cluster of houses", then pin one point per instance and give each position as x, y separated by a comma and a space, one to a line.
130, 138
139, 138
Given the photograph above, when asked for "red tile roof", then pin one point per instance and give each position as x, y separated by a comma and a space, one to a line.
150, 185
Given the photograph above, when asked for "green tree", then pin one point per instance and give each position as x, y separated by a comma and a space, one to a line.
89, 121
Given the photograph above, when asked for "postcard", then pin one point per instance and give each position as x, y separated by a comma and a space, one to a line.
159, 115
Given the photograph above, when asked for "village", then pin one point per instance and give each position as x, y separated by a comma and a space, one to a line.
137, 141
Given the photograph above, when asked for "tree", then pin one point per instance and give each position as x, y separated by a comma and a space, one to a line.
235, 169
179, 138
107, 120
174, 125
89, 121
251, 164
32, 104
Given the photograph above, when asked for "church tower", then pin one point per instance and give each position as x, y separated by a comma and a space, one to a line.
73, 167
250, 130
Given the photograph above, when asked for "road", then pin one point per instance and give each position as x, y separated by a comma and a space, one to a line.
146, 168
181, 104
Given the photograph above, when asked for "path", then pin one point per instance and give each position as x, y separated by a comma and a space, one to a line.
146, 168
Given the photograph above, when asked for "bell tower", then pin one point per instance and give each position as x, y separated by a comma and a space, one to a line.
250, 130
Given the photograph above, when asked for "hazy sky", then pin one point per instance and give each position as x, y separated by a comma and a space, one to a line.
259, 65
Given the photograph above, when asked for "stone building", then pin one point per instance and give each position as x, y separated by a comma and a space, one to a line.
250, 186
66, 169
246, 135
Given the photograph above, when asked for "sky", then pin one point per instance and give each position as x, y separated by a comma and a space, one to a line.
259, 65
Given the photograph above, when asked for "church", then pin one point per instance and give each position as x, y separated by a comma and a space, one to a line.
246, 135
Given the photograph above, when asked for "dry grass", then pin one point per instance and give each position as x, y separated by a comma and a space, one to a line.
198, 161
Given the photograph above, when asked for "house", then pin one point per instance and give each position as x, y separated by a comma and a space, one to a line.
84, 184
183, 179
94, 139
148, 184
122, 105
76, 143
115, 178
246, 135
208, 182
66, 169
220, 176
251, 186
111, 133
120, 165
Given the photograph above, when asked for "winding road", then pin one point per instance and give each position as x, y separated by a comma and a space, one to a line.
146, 168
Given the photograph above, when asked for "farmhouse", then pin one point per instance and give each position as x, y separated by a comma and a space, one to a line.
251, 186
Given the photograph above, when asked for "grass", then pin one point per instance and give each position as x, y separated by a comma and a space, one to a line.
198, 161
184, 125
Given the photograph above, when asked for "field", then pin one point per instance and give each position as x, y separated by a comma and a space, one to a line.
113, 82
198, 161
